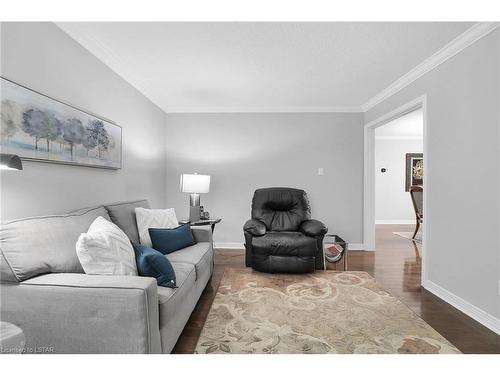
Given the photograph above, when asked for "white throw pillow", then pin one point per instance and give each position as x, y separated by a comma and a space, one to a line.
106, 250
153, 218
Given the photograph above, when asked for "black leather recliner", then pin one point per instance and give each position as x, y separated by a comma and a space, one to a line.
281, 237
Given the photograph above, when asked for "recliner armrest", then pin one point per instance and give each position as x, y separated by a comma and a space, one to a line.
313, 228
255, 227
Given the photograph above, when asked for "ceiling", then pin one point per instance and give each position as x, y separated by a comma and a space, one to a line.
239, 67
409, 126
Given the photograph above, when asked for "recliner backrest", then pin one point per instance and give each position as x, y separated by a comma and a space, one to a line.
281, 209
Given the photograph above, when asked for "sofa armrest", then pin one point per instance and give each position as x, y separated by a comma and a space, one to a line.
313, 228
202, 234
255, 227
79, 313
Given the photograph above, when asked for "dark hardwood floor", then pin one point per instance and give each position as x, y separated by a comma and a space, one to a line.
396, 266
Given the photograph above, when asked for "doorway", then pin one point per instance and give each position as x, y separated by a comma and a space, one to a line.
395, 145
399, 147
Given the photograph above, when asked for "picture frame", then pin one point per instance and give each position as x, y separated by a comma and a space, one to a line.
414, 170
40, 128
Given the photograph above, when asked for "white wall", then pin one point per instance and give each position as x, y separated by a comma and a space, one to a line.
392, 142
463, 174
392, 202
243, 152
44, 58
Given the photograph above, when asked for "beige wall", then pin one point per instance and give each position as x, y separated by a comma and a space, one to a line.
463, 169
243, 152
392, 202
44, 58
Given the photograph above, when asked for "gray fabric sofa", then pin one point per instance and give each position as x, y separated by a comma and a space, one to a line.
45, 291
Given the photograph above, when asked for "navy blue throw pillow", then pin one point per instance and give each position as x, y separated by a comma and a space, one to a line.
167, 241
152, 263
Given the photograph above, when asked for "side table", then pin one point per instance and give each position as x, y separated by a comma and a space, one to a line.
331, 239
12, 340
199, 223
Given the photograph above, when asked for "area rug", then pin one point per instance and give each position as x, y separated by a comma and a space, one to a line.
409, 235
323, 312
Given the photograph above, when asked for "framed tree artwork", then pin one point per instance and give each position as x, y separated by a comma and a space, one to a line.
37, 127
414, 170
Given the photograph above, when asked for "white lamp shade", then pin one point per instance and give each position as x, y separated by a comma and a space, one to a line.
195, 183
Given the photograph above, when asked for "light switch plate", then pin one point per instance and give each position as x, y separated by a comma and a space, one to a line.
321, 171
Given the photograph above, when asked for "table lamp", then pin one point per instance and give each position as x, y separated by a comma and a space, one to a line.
195, 184
10, 162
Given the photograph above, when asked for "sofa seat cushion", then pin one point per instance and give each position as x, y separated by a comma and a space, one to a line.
285, 244
185, 279
176, 305
45, 244
123, 215
200, 255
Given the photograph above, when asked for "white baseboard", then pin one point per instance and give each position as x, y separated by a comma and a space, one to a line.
240, 246
467, 308
229, 245
395, 221
356, 246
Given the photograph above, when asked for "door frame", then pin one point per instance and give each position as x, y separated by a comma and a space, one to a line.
369, 173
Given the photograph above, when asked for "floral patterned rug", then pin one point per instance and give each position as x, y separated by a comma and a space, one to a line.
323, 312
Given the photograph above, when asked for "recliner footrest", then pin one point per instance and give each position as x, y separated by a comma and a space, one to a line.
283, 264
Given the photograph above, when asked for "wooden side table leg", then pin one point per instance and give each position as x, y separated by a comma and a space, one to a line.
345, 257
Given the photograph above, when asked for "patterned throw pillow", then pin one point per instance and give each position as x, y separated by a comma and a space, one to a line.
153, 218
106, 250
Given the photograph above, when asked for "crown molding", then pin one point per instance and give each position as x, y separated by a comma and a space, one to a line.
454, 47
102, 52
263, 110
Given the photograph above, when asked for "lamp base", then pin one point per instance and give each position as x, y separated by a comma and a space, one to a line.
194, 213
194, 207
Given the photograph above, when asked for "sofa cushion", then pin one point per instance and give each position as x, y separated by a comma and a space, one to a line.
44, 244
123, 215
176, 305
200, 255
6, 272
106, 250
185, 278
